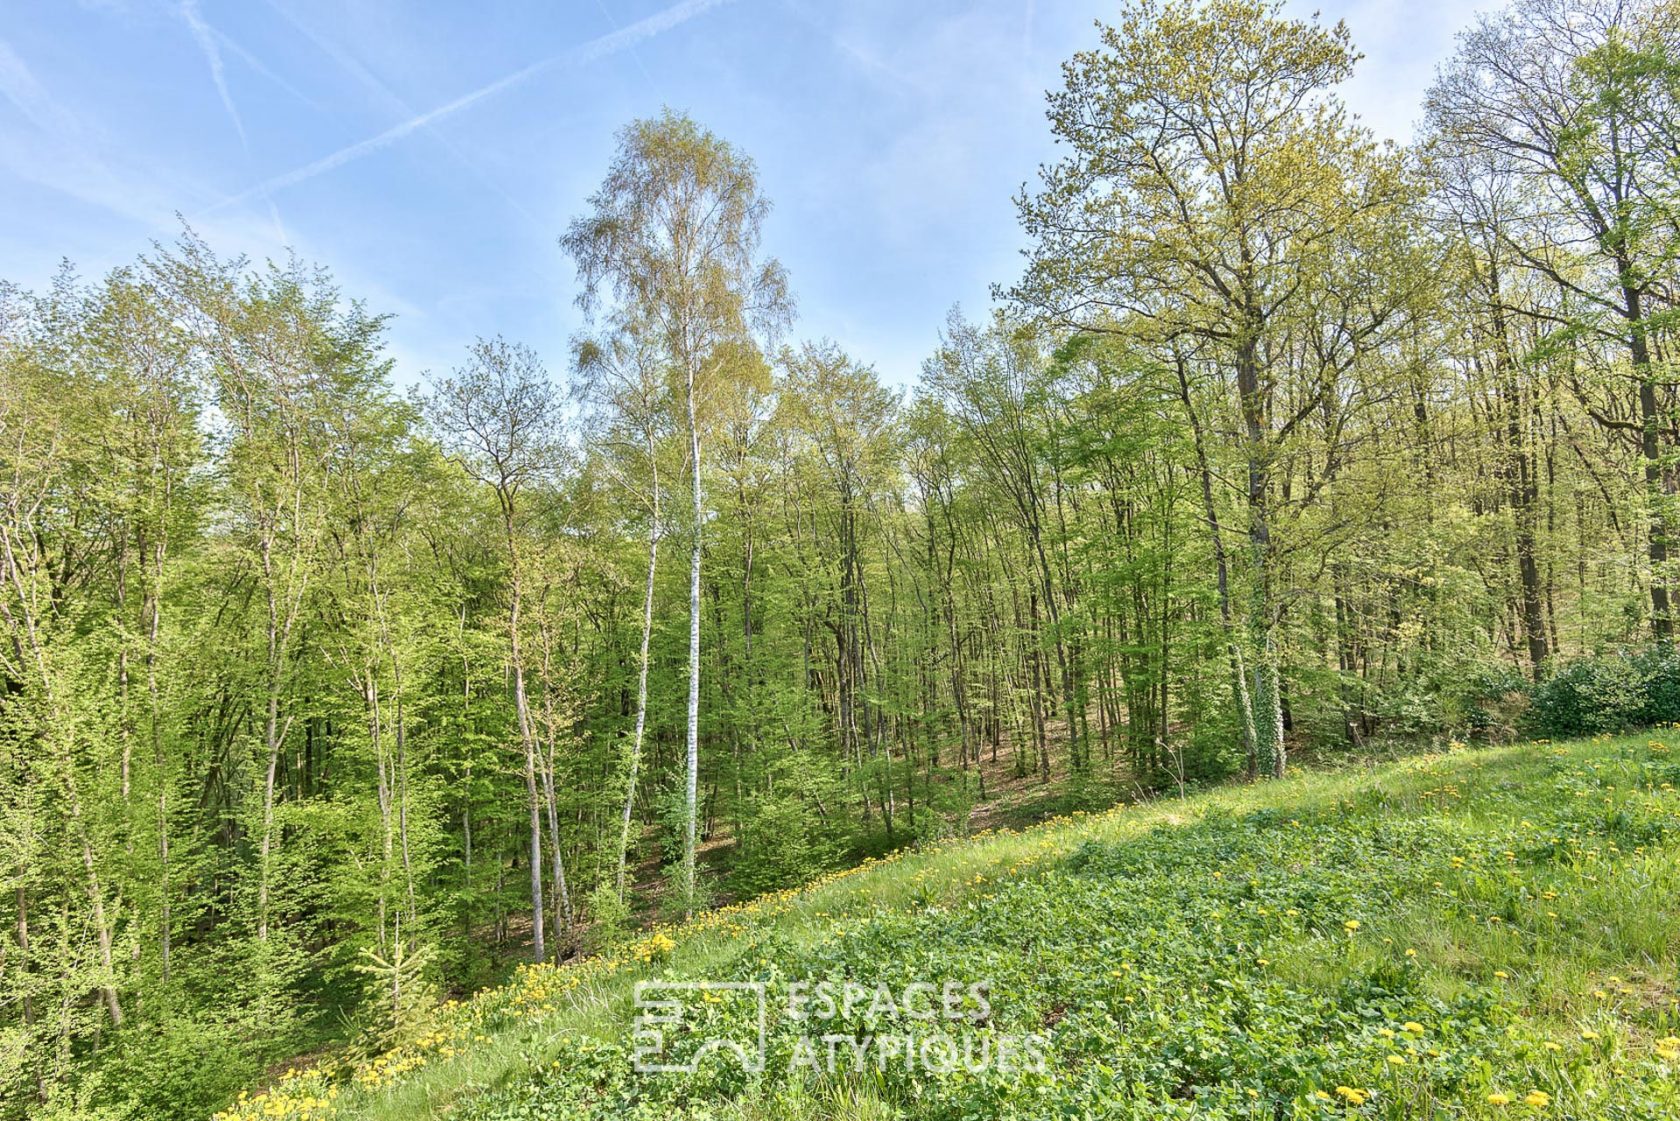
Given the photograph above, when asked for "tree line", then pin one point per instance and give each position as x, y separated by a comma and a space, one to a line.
322, 699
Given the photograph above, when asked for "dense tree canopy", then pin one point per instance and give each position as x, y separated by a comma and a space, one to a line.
319, 701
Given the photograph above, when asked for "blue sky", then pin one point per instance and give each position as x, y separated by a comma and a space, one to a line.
430, 153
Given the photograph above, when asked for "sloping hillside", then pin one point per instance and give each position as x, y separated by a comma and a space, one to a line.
1479, 934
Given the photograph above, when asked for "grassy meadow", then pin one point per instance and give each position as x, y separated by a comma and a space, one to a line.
1475, 934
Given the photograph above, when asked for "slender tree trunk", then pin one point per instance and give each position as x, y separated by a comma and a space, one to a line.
641, 695
557, 859
527, 738
691, 786
1656, 496
402, 794
1522, 486
1222, 576
23, 985
153, 607
271, 741
55, 730
562, 896
382, 791
1267, 694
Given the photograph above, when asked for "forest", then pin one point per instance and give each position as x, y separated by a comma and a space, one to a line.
329, 690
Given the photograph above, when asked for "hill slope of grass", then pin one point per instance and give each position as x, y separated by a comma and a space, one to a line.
1480, 934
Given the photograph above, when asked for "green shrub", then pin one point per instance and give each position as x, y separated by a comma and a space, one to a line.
782, 843
1497, 703
1661, 668
1608, 693
1214, 750
609, 919
177, 1066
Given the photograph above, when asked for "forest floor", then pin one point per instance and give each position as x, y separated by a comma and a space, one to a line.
1477, 934
1015, 796
1008, 794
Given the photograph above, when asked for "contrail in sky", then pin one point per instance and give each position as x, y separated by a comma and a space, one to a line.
206, 39
598, 48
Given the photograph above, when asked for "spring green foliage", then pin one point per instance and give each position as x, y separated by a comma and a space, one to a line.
1413, 940
320, 702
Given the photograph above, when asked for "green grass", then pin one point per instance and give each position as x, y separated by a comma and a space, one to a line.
1450, 936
